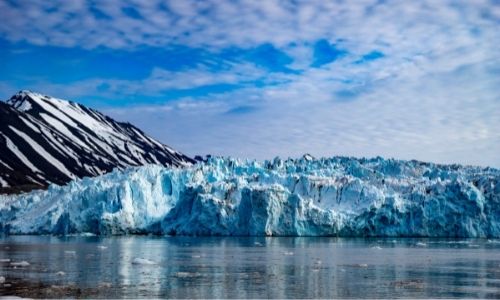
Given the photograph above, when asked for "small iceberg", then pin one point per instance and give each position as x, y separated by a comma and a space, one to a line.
143, 261
20, 264
187, 274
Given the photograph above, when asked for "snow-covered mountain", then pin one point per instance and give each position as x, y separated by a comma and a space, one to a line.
48, 140
337, 196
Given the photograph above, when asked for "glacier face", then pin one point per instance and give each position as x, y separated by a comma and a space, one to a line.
338, 196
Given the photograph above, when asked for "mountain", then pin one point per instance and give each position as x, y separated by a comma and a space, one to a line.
336, 196
48, 140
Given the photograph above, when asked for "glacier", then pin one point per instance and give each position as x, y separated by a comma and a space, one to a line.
338, 196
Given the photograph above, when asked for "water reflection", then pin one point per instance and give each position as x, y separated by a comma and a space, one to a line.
184, 267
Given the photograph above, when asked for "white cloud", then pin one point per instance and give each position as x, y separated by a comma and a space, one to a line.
365, 24
433, 96
437, 115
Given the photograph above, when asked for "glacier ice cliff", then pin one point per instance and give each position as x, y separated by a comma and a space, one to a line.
337, 196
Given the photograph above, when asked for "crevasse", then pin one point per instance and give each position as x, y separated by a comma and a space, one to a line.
337, 196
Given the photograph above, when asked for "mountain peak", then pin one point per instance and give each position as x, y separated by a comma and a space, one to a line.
51, 140
22, 100
25, 100
25, 92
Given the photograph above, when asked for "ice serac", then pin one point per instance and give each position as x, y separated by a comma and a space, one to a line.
338, 196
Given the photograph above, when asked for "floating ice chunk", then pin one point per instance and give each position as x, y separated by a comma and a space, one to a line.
420, 244
288, 253
456, 242
100, 247
4, 260
377, 248
70, 253
60, 273
187, 274
87, 234
2, 279
20, 264
105, 285
412, 283
142, 261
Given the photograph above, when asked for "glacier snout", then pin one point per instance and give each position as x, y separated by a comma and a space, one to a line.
327, 197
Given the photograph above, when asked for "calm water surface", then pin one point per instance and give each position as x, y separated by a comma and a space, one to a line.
184, 267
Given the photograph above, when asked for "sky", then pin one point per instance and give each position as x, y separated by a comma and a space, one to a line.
259, 79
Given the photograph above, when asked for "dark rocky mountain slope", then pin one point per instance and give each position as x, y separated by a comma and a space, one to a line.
48, 140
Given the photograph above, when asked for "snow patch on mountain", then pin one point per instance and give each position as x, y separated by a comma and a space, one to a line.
13, 148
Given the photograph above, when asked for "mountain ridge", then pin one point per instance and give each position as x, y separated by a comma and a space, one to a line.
46, 140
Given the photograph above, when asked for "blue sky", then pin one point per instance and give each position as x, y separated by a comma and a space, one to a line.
404, 79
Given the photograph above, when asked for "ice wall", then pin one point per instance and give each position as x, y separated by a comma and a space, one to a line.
326, 197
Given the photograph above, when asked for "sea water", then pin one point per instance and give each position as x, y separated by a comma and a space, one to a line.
248, 267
